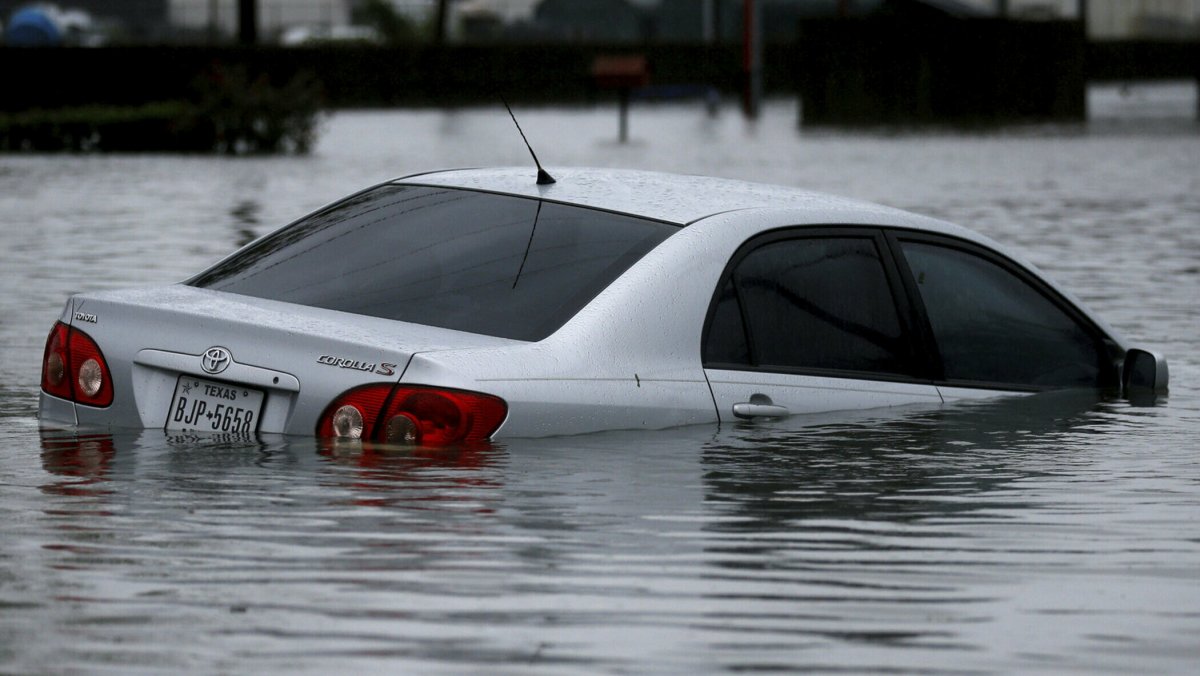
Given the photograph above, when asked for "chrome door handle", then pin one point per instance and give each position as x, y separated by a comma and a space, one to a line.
754, 409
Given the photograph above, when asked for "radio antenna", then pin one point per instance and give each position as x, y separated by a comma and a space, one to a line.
543, 177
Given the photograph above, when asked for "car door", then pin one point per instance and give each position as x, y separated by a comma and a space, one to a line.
994, 326
807, 320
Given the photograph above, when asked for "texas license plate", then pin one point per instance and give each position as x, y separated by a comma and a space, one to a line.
205, 406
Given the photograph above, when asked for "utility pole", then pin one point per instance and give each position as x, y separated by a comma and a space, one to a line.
248, 22
439, 27
708, 21
751, 58
214, 22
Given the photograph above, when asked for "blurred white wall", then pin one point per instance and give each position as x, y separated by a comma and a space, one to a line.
273, 15
1117, 19
1107, 19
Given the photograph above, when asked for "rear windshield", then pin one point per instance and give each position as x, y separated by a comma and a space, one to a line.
492, 264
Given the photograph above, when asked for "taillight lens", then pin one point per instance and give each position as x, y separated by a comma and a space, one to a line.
55, 379
413, 415
73, 368
361, 405
426, 416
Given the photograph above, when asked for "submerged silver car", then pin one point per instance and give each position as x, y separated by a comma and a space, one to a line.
458, 306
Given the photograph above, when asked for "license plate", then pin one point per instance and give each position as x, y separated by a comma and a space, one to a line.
201, 405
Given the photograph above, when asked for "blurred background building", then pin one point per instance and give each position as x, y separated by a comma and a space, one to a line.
1155, 19
97, 22
717, 20
93, 21
205, 18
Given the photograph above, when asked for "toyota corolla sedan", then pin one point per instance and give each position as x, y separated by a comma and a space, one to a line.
459, 306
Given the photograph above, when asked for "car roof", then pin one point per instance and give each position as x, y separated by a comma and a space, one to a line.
672, 198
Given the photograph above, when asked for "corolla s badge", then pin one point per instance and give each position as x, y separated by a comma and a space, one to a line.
215, 359
382, 368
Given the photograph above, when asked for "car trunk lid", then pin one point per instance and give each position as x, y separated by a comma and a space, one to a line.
299, 358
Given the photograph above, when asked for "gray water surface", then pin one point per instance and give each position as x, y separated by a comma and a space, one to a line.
1054, 533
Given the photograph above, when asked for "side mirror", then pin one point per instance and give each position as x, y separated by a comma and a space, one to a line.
1144, 373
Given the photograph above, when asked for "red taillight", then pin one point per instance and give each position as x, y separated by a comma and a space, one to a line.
364, 402
413, 415
427, 416
73, 368
55, 379
91, 378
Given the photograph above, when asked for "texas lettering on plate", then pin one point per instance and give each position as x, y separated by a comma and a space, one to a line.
206, 406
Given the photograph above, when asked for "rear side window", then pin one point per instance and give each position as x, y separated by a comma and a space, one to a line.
809, 303
491, 264
992, 327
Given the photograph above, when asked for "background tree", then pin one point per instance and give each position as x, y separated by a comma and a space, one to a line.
383, 17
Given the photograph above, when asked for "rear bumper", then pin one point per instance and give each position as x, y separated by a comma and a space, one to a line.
53, 411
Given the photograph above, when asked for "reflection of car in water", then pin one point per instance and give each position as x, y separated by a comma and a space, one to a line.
457, 306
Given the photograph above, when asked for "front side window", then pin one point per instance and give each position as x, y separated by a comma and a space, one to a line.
809, 303
492, 264
993, 327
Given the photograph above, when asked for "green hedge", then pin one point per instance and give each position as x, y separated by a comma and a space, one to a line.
152, 127
230, 113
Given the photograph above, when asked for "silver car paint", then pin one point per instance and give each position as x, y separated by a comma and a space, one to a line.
151, 336
629, 359
666, 197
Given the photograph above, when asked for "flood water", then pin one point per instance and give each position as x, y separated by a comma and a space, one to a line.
1055, 533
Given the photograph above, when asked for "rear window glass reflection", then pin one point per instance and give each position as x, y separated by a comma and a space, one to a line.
477, 262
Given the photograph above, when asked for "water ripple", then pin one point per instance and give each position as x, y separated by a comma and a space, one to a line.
1044, 534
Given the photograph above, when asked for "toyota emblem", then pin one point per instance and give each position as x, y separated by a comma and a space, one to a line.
215, 359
